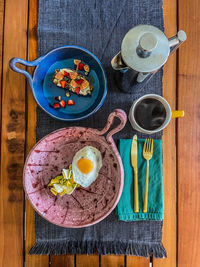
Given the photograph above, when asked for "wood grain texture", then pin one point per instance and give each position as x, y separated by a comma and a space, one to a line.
63, 261
32, 260
112, 261
12, 136
133, 261
1, 50
188, 137
87, 260
169, 145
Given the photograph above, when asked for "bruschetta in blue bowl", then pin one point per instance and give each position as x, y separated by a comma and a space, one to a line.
69, 83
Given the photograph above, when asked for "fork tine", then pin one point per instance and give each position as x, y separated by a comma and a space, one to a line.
149, 142
146, 149
152, 147
145, 144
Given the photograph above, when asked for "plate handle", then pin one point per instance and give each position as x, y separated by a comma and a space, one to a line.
33, 63
119, 113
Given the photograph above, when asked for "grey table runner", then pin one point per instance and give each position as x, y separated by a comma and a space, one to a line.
100, 27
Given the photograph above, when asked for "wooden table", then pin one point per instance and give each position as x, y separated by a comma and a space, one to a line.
181, 234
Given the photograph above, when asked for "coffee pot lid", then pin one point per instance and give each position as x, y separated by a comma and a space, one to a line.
145, 48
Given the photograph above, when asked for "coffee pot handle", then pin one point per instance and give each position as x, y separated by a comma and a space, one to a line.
177, 40
117, 63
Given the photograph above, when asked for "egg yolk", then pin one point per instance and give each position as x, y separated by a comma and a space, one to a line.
85, 165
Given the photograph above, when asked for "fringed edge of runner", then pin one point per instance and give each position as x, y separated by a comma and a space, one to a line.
73, 247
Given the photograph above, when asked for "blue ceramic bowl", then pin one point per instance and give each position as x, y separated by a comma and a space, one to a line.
44, 90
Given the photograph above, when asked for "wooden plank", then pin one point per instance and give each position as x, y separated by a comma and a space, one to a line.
32, 260
112, 261
133, 261
87, 260
169, 152
1, 47
188, 137
63, 261
12, 136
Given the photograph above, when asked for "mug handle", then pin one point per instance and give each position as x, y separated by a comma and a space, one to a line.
33, 63
177, 114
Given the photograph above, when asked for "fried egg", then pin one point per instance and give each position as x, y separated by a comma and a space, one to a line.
86, 165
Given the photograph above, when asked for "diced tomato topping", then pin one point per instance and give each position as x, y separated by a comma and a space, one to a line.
70, 102
77, 90
59, 76
73, 75
73, 83
62, 103
63, 84
56, 105
81, 66
84, 84
79, 81
66, 73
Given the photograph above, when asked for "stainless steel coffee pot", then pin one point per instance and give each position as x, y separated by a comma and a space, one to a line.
144, 50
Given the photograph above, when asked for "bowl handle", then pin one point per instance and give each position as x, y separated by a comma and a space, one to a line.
119, 113
33, 63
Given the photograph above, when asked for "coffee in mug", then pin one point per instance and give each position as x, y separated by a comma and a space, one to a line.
151, 113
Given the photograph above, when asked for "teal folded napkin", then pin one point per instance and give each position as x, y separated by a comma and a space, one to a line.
125, 207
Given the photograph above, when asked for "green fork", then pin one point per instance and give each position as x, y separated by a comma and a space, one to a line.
147, 154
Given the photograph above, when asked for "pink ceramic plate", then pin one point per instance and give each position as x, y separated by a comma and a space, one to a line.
86, 206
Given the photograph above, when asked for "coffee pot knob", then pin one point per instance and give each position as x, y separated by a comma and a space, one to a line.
147, 44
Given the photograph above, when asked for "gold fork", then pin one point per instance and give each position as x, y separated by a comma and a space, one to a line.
147, 154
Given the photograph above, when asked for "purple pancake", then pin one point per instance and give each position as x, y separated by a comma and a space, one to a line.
85, 206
